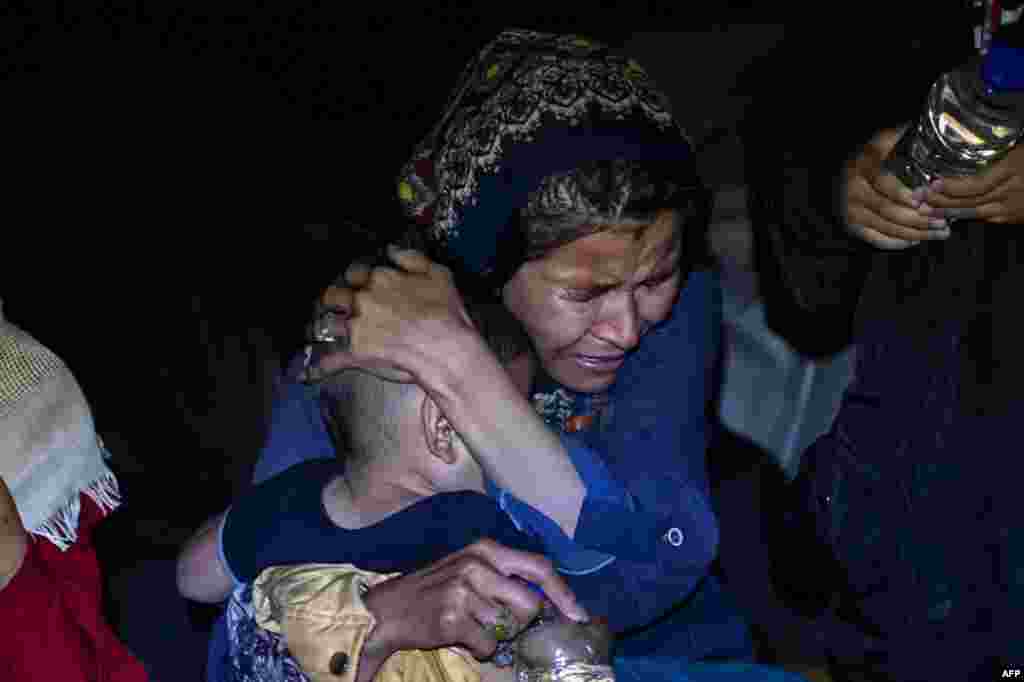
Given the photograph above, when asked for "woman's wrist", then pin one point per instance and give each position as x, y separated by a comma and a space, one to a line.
378, 645
501, 429
458, 366
370, 661
493, 416
381, 640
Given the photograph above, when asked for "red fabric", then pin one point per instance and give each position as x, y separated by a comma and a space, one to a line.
52, 616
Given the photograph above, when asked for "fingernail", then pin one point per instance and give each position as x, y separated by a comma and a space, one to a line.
961, 213
936, 185
938, 224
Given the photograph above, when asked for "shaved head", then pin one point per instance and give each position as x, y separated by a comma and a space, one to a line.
367, 413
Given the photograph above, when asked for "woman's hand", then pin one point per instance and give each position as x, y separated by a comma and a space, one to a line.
995, 195
392, 321
410, 325
881, 210
459, 600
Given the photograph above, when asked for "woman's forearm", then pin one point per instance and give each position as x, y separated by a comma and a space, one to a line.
513, 445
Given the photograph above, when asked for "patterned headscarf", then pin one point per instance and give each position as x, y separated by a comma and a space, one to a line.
527, 112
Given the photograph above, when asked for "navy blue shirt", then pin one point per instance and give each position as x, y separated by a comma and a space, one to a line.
920, 505
283, 521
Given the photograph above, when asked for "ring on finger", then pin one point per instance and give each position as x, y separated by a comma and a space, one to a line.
323, 328
505, 625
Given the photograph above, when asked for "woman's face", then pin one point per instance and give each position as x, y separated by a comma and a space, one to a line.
587, 304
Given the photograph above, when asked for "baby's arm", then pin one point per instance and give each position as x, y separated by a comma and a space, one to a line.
208, 572
202, 575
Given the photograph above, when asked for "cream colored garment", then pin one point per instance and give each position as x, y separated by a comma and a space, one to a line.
49, 450
319, 611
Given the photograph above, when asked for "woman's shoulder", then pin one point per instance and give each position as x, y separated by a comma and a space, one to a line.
690, 331
698, 295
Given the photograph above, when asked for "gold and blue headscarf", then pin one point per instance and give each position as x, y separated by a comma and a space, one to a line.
528, 111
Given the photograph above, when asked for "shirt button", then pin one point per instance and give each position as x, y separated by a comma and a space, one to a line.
674, 537
338, 664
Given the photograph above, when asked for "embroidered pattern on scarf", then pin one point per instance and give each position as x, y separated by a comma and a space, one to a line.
519, 83
568, 411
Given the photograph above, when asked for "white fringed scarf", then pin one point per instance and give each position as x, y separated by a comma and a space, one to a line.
50, 452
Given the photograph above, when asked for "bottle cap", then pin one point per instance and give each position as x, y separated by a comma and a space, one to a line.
1003, 68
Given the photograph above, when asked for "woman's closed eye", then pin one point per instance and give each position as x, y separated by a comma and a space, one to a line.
660, 280
584, 295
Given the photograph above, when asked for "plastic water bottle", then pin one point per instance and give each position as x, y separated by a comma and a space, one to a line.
556, 649
973, 118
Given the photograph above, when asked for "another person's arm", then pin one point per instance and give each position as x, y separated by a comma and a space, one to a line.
995, 195
886, 214
50, 601
807, 174
13, 537
876, 208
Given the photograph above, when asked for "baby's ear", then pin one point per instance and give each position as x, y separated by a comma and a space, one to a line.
438, 432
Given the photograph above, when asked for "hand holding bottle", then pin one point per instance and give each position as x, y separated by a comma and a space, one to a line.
879, 209
995, 195
959, 160
556, 649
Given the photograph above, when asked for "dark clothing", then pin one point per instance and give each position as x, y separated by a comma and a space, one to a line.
918, 508
53, 608
907, 494
283, 522
810, 268
645, 476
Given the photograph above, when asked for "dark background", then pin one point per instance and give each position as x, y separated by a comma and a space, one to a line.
178, 179
179, 182
176, 184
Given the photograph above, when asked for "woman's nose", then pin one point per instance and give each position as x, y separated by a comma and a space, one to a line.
620, 323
